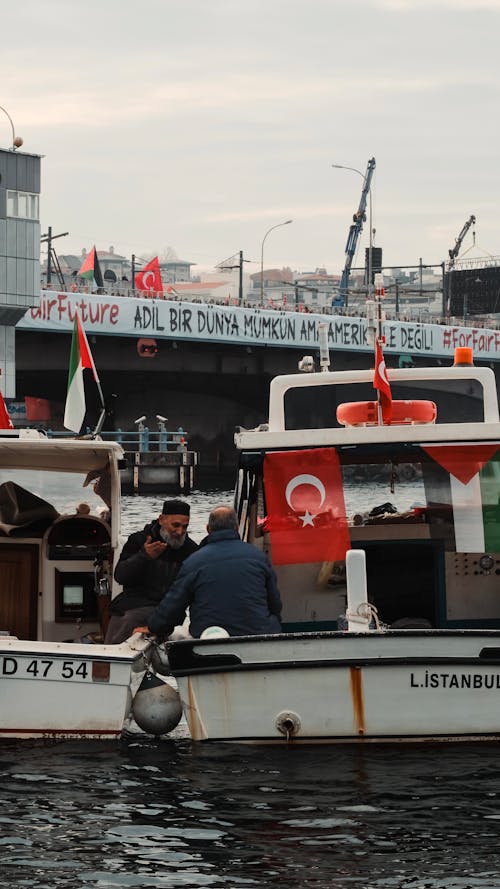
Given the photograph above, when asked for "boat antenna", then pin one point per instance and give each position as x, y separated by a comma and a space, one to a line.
324, 352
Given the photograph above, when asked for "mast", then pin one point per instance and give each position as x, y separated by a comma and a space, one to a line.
375, 318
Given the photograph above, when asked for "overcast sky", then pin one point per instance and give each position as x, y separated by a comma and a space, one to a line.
199, 124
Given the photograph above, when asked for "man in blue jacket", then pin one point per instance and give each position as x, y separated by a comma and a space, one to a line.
227, 583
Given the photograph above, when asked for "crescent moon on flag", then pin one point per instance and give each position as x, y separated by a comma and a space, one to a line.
304, 480
383, 372
147, 275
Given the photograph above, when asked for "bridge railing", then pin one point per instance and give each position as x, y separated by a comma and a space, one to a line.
141, 440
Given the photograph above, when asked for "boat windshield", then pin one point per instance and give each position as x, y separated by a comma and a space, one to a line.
457, 401
64, 491
427, 516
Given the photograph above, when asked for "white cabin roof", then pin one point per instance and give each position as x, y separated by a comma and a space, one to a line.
274, 434
18, 451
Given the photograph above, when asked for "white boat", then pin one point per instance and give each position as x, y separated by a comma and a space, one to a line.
397, 638
57, 678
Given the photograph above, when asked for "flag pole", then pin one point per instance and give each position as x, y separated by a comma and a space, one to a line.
102, 415
375, 320
81, 358
379, 338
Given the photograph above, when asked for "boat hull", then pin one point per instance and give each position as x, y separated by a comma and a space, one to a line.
342, 687
66, 690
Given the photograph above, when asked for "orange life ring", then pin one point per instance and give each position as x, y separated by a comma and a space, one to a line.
404, 413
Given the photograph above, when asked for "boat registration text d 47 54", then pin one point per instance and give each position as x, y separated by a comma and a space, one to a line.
45, 668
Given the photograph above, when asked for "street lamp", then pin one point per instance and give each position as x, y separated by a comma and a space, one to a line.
370, 248
16, 140
288, 221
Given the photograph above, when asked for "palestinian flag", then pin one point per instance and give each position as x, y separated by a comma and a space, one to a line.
474, 471
80, 359
91, 271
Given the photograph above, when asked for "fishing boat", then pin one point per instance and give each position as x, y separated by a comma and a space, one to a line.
390, 581
59, 539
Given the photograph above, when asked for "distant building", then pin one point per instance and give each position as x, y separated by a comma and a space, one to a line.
19, 251
173, 270
118, 266
116, 270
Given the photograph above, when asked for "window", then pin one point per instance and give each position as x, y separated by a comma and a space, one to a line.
22, 205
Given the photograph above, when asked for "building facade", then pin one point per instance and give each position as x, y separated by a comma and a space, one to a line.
19, 251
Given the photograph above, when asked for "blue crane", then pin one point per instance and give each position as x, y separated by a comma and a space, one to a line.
453, 253
353, 237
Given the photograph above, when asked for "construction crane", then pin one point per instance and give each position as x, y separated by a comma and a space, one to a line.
354, 233
453, 253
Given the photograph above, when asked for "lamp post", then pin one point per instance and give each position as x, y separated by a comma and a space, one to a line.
16, 140
288, 221
370, 248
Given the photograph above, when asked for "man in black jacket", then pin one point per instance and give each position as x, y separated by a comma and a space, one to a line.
148, 565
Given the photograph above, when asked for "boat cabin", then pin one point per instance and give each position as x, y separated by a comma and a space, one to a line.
59, 527
420, 496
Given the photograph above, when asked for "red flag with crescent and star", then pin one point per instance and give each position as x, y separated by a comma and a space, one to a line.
148, 280
381, 382
5, 421
306, 514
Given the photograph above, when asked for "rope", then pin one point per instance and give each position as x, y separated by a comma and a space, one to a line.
364, 613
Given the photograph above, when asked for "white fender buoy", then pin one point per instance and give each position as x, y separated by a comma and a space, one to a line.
157, 706
215, 633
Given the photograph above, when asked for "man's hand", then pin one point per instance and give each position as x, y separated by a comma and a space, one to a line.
154, 548
144, 630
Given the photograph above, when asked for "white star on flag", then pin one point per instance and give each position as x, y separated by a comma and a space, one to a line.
307, 519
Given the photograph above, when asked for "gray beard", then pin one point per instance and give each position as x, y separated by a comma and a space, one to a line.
174, 542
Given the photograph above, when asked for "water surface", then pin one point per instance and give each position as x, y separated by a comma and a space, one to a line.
170, 813
175, 814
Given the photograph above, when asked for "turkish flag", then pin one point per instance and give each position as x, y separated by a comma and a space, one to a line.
306, 514
148, 280
381, 383
5, 421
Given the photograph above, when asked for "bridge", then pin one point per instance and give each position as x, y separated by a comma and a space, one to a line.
208, 367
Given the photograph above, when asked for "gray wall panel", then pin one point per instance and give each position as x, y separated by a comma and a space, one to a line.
3, 238
11, 237
21, 279
22, 167
21, 235
11, 276
11, 170
33, 251
35, 279
36, 175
